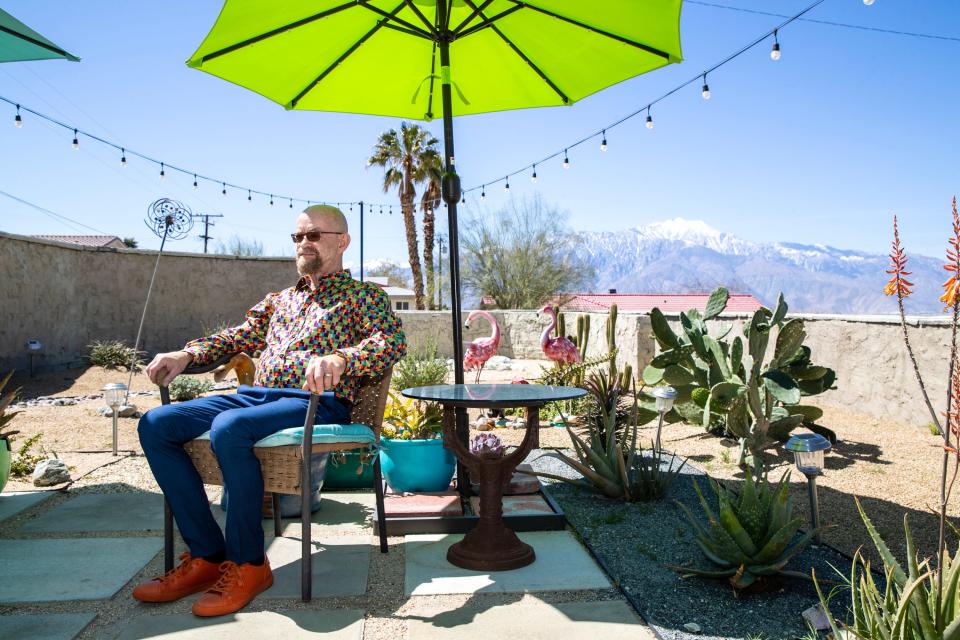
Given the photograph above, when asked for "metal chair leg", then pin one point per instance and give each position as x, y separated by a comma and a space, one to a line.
306, 562
275, 507
167, 536
381, 511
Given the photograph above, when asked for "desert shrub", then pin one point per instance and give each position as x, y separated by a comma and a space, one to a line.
114, 354
26, 459
188, 387
420, 368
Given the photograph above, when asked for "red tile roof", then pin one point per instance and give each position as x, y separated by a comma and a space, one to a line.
88, 241
669, 303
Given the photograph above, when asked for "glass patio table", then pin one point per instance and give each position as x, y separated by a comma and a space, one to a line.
491, 545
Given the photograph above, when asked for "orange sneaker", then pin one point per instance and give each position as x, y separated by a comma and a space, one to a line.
192, 575
237, 586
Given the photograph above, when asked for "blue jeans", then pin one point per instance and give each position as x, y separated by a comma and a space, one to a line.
235, 423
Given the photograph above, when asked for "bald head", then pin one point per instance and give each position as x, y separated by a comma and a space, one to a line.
326, 217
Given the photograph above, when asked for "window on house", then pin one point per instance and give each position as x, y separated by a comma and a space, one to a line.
402, 306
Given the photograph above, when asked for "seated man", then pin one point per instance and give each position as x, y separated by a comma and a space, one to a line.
319, 335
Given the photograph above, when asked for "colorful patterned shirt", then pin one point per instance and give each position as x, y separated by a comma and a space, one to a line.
344, 316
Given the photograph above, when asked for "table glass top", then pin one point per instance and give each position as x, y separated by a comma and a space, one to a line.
478, 395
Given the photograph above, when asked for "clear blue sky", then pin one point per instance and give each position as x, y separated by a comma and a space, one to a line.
822, 146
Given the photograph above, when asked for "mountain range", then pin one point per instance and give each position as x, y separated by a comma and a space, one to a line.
689, 256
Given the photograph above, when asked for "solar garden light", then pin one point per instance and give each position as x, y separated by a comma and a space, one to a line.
808, 450
33, 347
664, 396
114, 394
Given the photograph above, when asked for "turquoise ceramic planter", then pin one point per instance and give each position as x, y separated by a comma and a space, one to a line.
416, 465
4, 463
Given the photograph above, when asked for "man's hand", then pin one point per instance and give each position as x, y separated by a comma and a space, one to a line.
323, 373
166, 366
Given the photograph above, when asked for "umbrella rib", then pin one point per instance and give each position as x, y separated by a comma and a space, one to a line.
470, 18
487, 22
632, 43
409, 32
433, 75
279, 30
343, 56
420, 15
524, 57
410, 27
34, 41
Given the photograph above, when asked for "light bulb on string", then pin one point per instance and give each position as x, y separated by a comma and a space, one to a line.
533, 178
223, 190
506, 186
291, 203
249, 196
566, 160
271, 199
195, 185
463, 198
17, 120
483, 192
649, 119
390, 210
603, 143
705, 91
123, 158
163, 173
775, 51
76, 141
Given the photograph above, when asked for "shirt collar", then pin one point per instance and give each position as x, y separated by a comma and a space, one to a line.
331, 279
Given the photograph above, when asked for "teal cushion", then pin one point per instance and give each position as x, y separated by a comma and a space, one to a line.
322, 434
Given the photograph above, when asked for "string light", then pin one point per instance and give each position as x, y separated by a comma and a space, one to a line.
271, 199
224, 189
533, 178
195, 185
162, 172
705, 92
76, 142
483, 192
603, 143
506, 187
649, 119
775, 51
17, 120
123, 158
566, 160
463, 198
249, 196
291, 203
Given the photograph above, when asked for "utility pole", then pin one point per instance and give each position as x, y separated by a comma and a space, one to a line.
206, 227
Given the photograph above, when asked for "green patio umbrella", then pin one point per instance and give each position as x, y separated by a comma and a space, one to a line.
422, 59
18, 42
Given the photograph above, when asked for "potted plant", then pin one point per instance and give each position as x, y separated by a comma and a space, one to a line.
5, 418
412, 454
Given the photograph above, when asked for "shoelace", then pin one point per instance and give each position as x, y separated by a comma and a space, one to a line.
178, 570
230, 577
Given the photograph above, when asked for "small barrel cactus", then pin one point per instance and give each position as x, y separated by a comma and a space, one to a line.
487, 445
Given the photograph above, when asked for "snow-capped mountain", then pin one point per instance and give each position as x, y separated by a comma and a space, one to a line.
678, 256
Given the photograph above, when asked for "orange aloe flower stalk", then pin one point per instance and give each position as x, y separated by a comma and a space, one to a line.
951, 288
898, 284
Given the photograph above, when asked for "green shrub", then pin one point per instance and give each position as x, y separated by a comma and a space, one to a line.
25, 461
188, 387
421, 368
114, 354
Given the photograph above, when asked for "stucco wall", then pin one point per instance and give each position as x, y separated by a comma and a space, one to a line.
67, 296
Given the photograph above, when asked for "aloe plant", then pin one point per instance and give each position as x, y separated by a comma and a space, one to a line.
6, 399
749, 538
907, 608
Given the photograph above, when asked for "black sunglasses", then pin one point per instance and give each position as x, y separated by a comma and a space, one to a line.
312, 236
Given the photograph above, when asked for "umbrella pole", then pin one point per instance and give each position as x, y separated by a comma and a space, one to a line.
450, 188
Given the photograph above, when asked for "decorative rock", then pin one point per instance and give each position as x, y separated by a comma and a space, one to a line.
499, 363
816, 617
691, 627
51, 472
123, 411
484, 424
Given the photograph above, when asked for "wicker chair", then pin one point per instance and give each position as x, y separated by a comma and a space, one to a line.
283, 469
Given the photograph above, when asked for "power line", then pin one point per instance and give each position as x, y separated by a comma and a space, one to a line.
64, 219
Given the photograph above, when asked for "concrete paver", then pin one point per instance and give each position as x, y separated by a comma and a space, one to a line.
102, 512
45, 626
52, 570
340, 566
333, 624
610, 620
562, 563
14, 502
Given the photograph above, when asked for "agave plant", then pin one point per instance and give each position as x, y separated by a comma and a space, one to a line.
5, 401
906, 608
751, 538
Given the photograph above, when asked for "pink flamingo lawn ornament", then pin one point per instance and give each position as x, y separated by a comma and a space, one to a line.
560, 349
480, 350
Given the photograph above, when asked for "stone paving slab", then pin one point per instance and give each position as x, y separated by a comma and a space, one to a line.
352, 510
332, 624
523, 505
562, 563
14, 502
45, 626
102, 512
610, 620
340, 566
51, 570
411, 505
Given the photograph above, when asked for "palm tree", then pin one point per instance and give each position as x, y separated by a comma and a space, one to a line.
429, 201
409, 158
